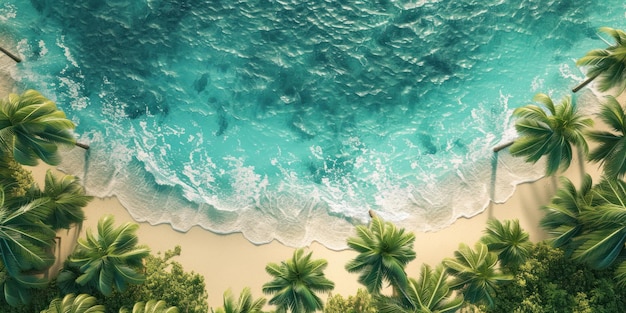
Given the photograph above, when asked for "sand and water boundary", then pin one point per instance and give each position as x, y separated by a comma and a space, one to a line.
231, 261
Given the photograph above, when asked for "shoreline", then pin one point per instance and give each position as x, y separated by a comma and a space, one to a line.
232, 262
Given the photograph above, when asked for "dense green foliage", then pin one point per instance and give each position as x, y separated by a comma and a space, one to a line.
360, 303
550, 281
15, 179
168, 281
40, 299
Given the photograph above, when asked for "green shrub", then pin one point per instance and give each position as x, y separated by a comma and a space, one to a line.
360, 303
550, 281
40, 299
165, 280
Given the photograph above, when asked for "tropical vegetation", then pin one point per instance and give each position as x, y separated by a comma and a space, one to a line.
475, 273
245, 304
551, 281
611, 147
608, 65
362, 302
82, 303
509, 241
431, 292
32, 128
295, 283
151, 306
550, 130
383, 253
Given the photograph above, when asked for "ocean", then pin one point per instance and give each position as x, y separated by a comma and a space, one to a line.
290, 120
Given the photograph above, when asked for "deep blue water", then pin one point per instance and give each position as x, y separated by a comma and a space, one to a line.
290, 119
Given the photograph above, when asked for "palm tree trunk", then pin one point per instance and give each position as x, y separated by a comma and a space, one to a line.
584, 83
581, 165
82, 145
11, 55
503, 146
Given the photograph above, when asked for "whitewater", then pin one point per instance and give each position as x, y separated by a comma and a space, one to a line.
290, 120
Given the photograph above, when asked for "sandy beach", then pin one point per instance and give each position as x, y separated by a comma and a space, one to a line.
230, 261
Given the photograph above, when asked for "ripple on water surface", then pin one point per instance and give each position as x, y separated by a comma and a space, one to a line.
289, 120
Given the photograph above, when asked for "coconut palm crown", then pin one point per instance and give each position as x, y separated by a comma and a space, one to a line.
608, 66
383, 253
245, 304
151, 306
429, 293
109, 260
296, 282
71, 303
611, 149
550, 130
475, 273
562, 220
604, 239
25, 243
31, 128
509, 241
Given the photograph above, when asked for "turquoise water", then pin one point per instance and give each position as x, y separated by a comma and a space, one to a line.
289, 120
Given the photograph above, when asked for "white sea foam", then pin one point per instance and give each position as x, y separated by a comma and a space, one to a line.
292, 129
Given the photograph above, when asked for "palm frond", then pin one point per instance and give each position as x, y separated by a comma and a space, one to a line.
296, 281
474, 272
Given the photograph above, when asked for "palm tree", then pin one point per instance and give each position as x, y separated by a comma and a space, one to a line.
605, 225
24, 249
509, 241
66, 197
384, 251
295, 283
151, 306
562, 219
31, 128
611, 151
607, 65
475, 273
552, 131
111, 259
17, 289
82, 303
430, 293
246, 303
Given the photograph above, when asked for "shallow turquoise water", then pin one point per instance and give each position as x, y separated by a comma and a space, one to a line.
289, 120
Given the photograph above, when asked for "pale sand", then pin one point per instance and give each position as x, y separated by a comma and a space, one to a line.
230, 261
